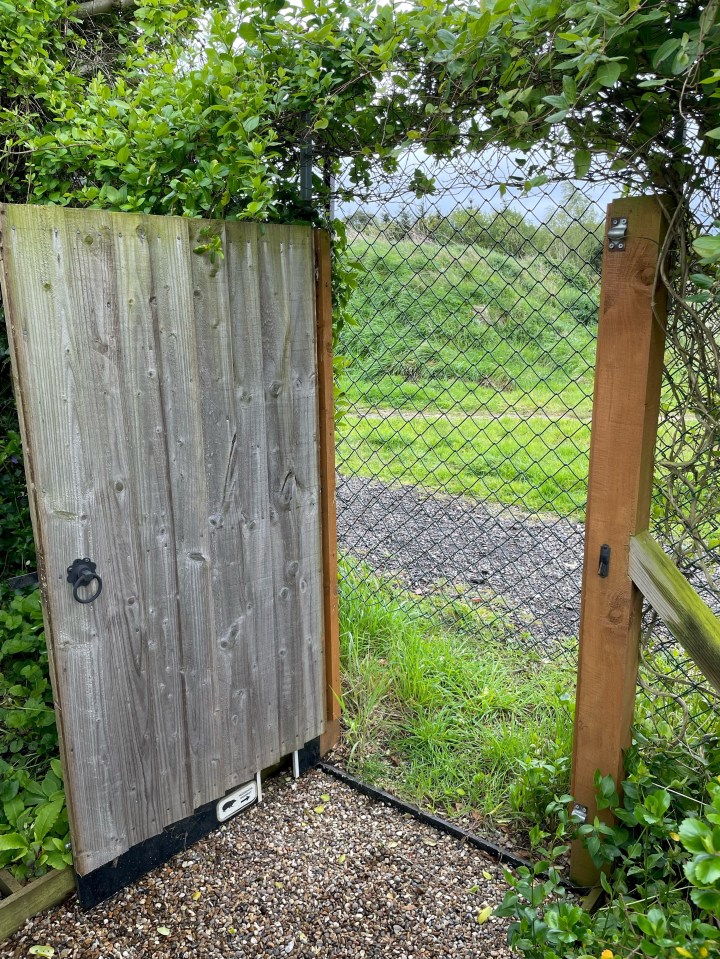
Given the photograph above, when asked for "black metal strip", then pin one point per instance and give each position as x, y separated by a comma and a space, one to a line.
309, 755
442, 825
96, 886
20, 582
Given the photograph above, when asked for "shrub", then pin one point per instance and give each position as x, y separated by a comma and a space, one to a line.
33, 816
660, 867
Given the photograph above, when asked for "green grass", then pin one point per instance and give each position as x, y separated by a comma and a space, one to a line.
396, 392
436, 323
441, 708
536, 464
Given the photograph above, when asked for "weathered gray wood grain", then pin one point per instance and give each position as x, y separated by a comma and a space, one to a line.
178, 372
59, 351
152, 615
291, 399
688, 617
170, 418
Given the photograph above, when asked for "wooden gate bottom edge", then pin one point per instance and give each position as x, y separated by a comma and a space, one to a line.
102, 883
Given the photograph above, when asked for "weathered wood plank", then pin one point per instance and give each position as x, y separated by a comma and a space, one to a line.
689, 619
326, 394
176, 351
286, 289
8, 883
624, 427
44, 893
226, 316
153, 719
248, 487
58, 355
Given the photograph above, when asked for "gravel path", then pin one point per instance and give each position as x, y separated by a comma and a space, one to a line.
316, 871
528, 567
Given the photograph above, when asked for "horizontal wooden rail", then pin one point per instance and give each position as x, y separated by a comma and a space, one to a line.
36, 896
690, 620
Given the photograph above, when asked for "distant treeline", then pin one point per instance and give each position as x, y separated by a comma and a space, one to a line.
573, 235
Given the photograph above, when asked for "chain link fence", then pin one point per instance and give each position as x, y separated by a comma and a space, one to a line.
463, 449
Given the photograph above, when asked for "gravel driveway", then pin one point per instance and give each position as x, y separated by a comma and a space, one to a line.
316, 871
529, 567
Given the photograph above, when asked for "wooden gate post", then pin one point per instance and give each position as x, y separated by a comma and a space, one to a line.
326, 394
626, 403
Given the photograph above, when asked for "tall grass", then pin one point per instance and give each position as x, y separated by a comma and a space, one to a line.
441, 712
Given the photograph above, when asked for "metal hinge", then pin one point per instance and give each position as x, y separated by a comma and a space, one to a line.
617, 232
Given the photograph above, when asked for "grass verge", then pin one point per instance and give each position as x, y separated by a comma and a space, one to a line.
441, 709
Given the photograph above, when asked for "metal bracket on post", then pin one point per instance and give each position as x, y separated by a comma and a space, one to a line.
617, 233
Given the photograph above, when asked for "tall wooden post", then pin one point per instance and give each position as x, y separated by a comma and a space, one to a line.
326, 392
631, 338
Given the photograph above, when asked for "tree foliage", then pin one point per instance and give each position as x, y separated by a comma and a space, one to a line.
203, 108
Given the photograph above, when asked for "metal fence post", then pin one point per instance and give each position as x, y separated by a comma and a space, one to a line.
626, 403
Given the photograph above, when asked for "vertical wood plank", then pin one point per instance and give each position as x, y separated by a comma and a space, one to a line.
631, 337
178, 370
326, 395
16, 323
227, 311
155, 714
253, 484
289, 352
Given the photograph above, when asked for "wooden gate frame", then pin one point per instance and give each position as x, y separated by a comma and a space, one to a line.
622, 563
328, 520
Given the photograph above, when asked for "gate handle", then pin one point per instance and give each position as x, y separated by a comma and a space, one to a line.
82, 573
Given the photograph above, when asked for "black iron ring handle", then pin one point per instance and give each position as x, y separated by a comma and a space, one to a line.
82, 573
86, 580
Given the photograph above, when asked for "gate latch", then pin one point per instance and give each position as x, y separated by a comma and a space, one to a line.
83, 573
617, 232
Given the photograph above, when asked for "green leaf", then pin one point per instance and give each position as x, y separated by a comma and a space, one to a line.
582, 161
11, 841
46, 818
665, 51
707, 870
694, 834
708, 899
708, 247
609, 73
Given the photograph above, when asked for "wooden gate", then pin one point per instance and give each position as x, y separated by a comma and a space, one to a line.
170, 416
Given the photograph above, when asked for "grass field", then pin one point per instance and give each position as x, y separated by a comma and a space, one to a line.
446, 326
537, 464
496, 353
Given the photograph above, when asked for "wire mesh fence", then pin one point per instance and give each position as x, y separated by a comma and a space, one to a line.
463, 449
